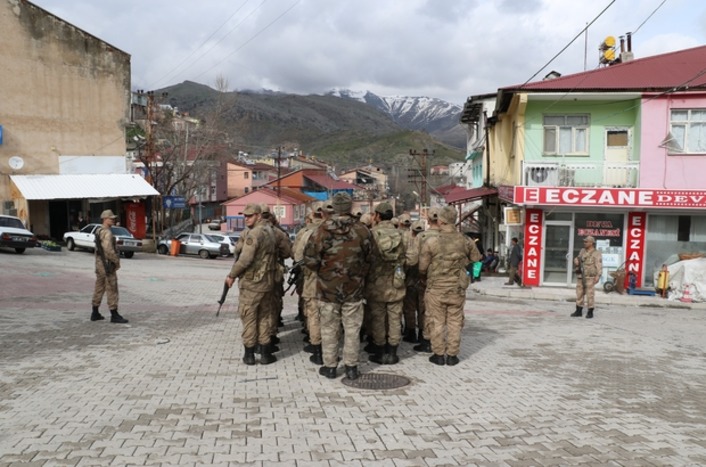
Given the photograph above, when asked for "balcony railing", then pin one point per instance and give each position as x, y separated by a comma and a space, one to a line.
589, 174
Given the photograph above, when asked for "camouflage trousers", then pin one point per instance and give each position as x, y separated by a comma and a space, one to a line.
589, 294
445, 319
313, 320
333, 315
413, 307
277, 301
106, 283
255, 309
386, 322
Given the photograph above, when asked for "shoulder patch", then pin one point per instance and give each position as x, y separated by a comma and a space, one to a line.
248, 241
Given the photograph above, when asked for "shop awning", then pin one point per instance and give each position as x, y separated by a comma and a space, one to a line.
458, 197
36, 187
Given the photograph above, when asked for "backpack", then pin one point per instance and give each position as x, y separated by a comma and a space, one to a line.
389, 243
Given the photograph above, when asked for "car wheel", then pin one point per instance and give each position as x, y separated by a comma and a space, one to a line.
19, 251
608, 287
204, 254
70, 245
162, 249
128, 254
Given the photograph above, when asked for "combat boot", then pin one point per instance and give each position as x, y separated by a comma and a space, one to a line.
437, 359
578, 313
266, 357
410, 336
310, 348
352, 372
116, 318
95, 314
589, 315
452, 360
316, 356
328, 372
372, 348
423, 346
379, 354
390, 357
249, 356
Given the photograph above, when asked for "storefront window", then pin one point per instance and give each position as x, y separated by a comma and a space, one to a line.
608, 230
667, 237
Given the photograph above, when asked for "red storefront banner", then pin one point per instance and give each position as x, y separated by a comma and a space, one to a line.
610, 197
635, 246
135, 219
532, 248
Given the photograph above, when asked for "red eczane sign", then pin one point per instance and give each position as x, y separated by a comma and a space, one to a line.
635, 246
610, 197
533, 247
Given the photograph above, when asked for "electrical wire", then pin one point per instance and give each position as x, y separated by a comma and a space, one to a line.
570, 42
650, 16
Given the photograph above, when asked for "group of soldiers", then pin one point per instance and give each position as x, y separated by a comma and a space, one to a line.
364, 277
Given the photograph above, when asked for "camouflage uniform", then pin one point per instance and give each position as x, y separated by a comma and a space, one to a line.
423, 320
442, 260
308, 292
592, 270
106, 282
339, 253
283, 246
385, 289
255, 267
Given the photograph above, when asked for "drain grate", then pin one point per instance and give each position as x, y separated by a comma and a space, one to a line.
376, 381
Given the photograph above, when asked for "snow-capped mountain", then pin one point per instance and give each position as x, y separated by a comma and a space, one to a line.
435, 116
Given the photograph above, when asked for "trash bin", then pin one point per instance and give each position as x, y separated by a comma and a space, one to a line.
175, 247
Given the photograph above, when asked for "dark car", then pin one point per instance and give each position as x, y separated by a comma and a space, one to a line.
13, 234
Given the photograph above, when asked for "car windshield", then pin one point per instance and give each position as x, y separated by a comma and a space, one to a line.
121, 231
215, 238
11, 222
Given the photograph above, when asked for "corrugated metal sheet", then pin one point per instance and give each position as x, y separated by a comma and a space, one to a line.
35, 187
465, 196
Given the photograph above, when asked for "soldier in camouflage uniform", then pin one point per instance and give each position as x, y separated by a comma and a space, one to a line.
339, 253
255, 269
308, 292
411, 308
106, 280
385, 286
423, 319
590, 263
284, 251
442, 260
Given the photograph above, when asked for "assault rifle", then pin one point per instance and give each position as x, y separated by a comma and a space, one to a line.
294, 274
108, 266
223, 297
580, 271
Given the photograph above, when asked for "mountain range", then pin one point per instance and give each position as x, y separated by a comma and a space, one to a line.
342, 127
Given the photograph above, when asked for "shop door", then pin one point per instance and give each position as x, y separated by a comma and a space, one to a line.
558, 245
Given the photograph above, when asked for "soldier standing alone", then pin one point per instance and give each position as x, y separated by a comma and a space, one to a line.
107, 265
589, 264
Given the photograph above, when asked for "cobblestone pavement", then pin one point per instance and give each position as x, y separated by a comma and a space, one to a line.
534, 387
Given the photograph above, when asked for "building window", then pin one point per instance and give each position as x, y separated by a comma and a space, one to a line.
566, 135
688, 131
246, 175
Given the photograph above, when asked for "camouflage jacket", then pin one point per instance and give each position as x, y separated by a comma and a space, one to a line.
339, 253
283, 248
443, 259
592, 262
380, 284
302, 238
109, 250
257, 262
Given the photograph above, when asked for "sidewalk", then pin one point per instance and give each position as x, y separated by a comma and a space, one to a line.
494, 286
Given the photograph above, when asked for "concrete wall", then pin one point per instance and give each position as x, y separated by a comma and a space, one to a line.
62, 92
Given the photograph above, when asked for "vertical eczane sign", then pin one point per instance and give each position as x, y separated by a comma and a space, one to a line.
533, 247
635, 247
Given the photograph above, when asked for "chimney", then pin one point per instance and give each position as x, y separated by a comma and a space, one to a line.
627, 55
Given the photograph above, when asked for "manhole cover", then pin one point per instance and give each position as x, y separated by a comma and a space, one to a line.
376, 381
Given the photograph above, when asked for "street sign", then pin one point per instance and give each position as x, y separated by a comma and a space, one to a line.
173, 202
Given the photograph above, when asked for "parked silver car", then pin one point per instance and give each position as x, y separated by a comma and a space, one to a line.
86, 238
194, 244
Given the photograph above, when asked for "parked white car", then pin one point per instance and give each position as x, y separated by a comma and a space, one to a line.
13, 234
86, 238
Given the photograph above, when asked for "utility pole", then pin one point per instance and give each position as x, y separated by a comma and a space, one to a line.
419, 175
279, 184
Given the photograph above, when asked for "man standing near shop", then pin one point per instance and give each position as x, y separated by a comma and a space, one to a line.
339, 252
442, 261
255, 268
514, 258
589, 266
107, 264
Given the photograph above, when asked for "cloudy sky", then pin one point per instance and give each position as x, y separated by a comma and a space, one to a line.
449, 49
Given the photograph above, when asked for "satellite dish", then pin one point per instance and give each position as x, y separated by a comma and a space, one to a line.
16, 162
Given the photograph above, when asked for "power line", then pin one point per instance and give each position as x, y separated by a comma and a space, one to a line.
571, 42
650, 16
